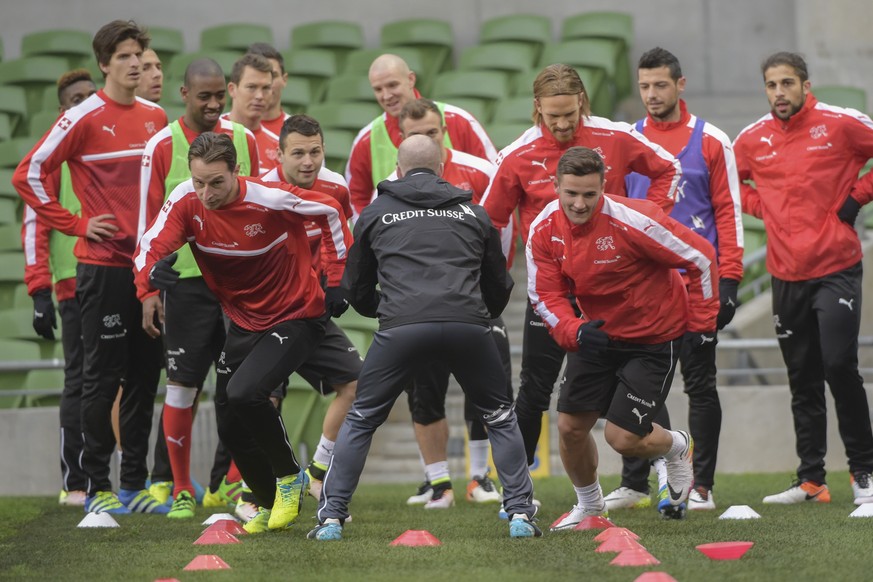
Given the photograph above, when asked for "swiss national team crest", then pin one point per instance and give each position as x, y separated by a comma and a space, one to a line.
150, 127
65, 123
818, 131
255, 229
146, 161
599, 151
605, 243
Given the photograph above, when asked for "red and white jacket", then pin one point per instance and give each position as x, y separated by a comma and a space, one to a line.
102, 142
274, 125
465, 133
254, 252
526, 168
803, 170
621, 268
268, 144
327, 182
724, 186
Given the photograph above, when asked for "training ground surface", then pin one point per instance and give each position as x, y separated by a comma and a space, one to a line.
40, 541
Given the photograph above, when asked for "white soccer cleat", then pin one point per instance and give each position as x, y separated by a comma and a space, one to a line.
799, 492
627, 498
442, 499
424, 494
573, 517
482, 490
245, 510
700, 499
72, 498
680, 473
862, 487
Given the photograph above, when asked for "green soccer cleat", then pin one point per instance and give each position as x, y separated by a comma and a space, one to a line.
290, 491
260, 523
183, 506
162, 491
105, 502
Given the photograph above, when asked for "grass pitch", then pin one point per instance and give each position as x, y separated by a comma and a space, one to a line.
40, 541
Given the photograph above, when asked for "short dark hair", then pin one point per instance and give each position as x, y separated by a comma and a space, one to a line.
204, 67
71, 78
213, 147
268, 51
418, 109
257, 62
111, 35
579, 161
302, 124
559, 79
793, 60
659, 57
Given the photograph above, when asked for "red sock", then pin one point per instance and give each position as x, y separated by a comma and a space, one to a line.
177, 428
233, 474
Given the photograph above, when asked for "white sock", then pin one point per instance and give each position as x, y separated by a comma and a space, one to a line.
437, 472
479, 458
590, 495
679, 444
661, 470
324, 451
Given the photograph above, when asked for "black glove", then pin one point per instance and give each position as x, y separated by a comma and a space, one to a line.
163, 276
727, 296
591, 338
848, 212
335, 302
698, 340
44, 320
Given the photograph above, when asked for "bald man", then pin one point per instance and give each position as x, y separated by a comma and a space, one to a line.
443, 277
374, 151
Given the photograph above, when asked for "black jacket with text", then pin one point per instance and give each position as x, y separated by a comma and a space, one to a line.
434, 254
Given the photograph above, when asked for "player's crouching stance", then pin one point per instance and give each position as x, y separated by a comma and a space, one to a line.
251, 245
618, 258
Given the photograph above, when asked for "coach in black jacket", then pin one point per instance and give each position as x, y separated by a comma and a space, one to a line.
442, 274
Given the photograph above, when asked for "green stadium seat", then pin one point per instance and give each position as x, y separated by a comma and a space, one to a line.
434, 38
297, 95
45, 386
167, 42
10, 238
348, 116
6, 189
339, 37
503, 134
12, 267
315, 65
14, 150
50, 98
352, 320
174, 112
20, 298
615, 27
2, 53
303, 413
225, 59
514, 110
337, 148
5, 127
74, 46
489, 87
350, 87
33, 75
360, 339
534, 30
234, 37
359, 61
842, 96
9, 211
478, 108
40, 122
14, 351
10, 295
17, 324
509, 58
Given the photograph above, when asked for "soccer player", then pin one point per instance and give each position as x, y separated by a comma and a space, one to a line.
251, 88
708, 202
443, 276
273, 116
525, 180
335, 363
618, 259
50, 262
374, 151
102, 141
427, 395
250, 243
193, 323
803, 158
151, 83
